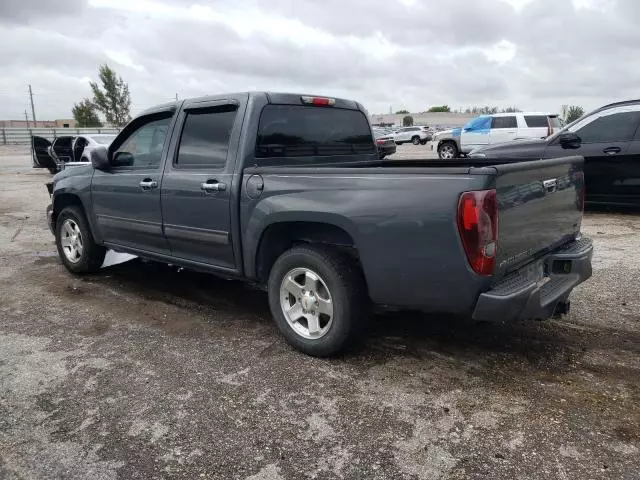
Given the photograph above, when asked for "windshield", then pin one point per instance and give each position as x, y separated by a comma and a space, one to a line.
104, 139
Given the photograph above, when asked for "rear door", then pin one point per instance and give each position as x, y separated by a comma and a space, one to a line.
475, 133
608, 148
537, 126
126, 198
196, 186
40, 148
504, 128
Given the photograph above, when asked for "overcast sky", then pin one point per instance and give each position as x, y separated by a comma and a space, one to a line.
536, 54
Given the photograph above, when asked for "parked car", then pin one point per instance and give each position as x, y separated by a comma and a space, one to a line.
385, 143
415, 135
66, 150
608, 139
287, 191
505, 127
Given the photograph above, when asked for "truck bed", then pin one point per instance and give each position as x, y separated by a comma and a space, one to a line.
403, 219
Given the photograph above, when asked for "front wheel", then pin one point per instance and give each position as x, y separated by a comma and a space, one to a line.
76, 247
448, 151
415, 140
318, 299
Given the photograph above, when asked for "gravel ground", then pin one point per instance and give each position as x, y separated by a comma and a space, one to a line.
144, 371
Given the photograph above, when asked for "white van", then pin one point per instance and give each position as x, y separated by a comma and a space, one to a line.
505, 127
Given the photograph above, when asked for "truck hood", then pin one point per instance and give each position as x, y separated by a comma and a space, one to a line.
452, 133
77, 170
533, 148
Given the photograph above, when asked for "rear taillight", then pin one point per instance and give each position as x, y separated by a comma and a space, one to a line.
478, 227
380, 141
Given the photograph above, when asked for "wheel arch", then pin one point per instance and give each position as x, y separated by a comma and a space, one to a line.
69, 197
279, 236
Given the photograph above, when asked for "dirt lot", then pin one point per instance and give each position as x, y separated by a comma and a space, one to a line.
143, 371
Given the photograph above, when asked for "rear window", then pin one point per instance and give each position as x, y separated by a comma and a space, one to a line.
205, 137
535, 121
297, 131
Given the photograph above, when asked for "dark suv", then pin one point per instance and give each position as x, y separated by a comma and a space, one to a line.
608, 139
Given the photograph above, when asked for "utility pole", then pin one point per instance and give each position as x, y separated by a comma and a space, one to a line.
33, 109
176, 97
26, 117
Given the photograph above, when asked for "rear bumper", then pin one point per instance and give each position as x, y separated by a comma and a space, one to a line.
535, 291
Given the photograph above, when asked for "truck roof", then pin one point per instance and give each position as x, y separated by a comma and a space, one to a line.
273, 97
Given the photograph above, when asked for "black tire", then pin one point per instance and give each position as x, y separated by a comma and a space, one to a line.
415, 140
450, 147
345, 282
92, 256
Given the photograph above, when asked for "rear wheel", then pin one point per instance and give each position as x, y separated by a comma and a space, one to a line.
448, 151
76, 247
318, 298
415, 140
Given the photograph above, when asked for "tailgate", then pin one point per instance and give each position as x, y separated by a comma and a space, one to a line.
540, 207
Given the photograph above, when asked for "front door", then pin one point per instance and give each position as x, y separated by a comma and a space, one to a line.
41, 158
197, 185
126, 198
63, 149
608, 151
475, 133
403, 135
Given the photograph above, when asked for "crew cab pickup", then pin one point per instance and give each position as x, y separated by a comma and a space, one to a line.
288, 191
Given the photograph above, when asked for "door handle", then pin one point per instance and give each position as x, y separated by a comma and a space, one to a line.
612, 150
148, 184
213, 186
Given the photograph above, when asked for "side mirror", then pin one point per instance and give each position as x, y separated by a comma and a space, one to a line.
122, 159
100, 158
569, 140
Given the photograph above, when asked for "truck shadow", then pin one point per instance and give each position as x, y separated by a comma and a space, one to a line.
549, 345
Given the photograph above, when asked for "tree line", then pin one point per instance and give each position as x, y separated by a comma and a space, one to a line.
110, 97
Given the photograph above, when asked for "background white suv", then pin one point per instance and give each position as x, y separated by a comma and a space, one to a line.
415, 135
505, 127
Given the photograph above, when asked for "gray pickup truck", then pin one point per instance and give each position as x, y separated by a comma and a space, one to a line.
287, 191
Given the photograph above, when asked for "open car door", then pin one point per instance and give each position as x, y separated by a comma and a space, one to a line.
40, 151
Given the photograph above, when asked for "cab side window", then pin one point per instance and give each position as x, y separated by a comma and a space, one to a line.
143, 147
504, 122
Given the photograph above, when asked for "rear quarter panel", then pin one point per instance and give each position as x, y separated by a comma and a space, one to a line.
403, 225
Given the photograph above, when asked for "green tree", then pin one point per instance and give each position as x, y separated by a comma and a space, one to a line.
486, 110
407, 121
85, 114
402, 112
112, 97
574, 112
440, 108
513, 109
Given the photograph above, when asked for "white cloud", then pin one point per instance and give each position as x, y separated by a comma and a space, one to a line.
537, 54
